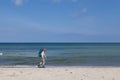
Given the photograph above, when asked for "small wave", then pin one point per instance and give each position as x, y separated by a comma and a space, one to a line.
1, 54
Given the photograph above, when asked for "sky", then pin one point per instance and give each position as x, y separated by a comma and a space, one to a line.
59, 20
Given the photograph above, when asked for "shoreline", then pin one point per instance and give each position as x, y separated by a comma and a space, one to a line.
49, 66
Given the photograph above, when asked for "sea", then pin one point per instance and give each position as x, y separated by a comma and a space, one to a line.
61, 54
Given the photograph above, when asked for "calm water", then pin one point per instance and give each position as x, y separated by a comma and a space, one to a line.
61, 54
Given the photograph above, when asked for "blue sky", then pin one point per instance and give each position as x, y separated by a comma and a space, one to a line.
59, 21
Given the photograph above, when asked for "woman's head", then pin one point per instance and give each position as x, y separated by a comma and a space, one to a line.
44, 49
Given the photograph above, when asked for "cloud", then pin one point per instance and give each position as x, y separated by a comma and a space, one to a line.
56, 1
83, 10
17, 2
79, 12
74, 1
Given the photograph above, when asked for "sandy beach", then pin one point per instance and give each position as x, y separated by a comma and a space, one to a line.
61, 73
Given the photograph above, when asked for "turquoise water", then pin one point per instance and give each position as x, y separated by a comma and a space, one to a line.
61, 54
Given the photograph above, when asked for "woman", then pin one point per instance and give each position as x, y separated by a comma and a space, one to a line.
42, 57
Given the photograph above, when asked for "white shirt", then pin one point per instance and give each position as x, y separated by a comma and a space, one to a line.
43, 54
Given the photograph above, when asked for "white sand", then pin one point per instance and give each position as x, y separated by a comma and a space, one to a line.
61, 73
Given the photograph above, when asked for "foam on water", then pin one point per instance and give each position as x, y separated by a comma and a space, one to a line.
1, 54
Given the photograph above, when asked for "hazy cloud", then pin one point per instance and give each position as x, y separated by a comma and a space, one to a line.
20, 2
83, 10
74, 0
17, 2
56, 1
79, 12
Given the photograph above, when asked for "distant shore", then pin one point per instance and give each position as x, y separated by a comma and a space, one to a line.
59, 73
